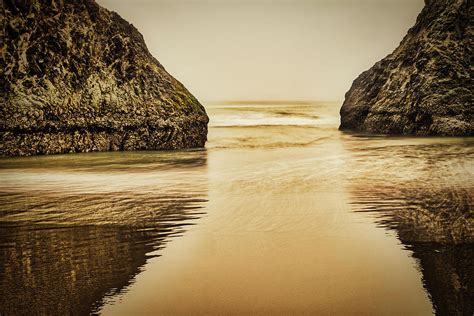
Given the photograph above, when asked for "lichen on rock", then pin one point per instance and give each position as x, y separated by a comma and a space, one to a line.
77, 78
425, 86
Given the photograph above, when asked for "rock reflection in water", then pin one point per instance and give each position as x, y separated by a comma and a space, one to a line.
67, 247
425, 193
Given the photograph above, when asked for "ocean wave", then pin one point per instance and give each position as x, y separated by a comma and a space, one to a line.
257, 119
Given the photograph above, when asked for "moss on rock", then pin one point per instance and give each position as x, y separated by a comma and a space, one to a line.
77, 78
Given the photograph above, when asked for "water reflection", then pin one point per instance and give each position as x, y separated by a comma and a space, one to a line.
76, 229
280, 234
280, 237
424, 191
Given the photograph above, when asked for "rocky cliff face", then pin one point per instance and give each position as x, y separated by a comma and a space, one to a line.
424, 87
77, 77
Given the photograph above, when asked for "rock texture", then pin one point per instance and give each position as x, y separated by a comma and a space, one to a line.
77, 78
425, 86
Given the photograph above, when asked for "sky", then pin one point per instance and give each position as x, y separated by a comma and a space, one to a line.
269, 49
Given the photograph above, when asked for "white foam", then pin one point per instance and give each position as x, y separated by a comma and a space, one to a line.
258, 119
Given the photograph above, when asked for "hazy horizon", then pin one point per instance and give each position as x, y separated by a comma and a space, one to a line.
243, 50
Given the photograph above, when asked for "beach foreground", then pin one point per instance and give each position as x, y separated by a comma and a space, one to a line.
281, 213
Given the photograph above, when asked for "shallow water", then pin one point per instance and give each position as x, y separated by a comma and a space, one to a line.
280, 214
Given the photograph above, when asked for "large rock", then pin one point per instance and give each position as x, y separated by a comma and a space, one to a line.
424, 87
77, 78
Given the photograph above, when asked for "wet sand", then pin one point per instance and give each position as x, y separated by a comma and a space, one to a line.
280, 214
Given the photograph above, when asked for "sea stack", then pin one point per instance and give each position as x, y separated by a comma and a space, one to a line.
425, 86
78, 78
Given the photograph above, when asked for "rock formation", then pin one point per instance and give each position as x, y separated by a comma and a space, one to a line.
77, 78
424, 87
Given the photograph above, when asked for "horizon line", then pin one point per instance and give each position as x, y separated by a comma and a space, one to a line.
268, 101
